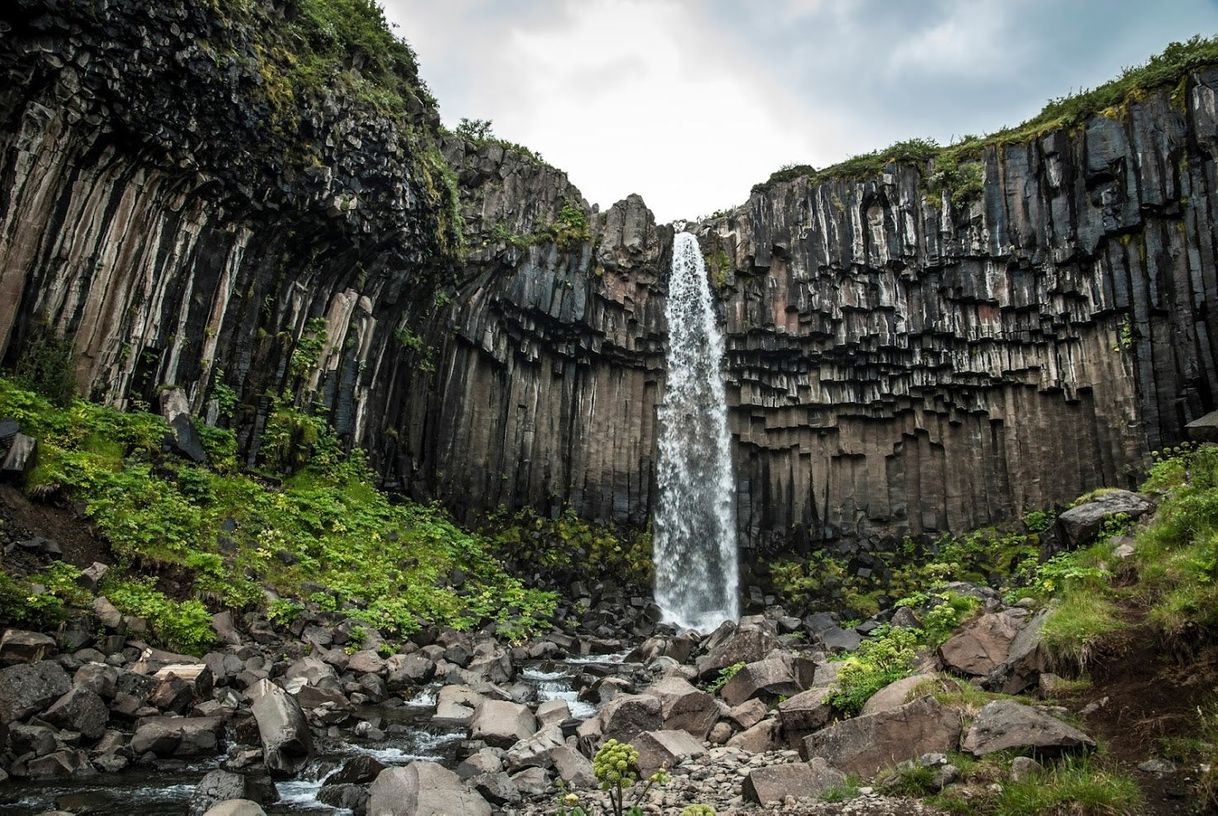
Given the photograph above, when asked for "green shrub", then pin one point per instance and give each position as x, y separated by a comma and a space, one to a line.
724, 677
884, 657
183, 626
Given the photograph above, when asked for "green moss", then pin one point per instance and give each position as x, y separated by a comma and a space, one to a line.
1083, 619
724, 677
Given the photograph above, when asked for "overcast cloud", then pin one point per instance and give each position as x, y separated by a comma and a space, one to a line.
690, 102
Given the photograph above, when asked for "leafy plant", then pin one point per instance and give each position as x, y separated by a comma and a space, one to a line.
182, 626
724, 677
617, 770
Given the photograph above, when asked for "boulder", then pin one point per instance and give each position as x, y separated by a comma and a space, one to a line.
423, 789
360, 770
762, 737
309, 671
455, 706
501, 723
572, 767
837, 639
534, 751
666, 749
408, 670
553, 712
79, 710
99, 678
107, 613
683, 707
625, 717
865, 745
236, 807
1204, 428
805, 713
895, 694
20, 459
497, 788
1080, 525
64, 764
29, 688
746, 715
177, 736
983, 644
366, 661
772, 784
742, 644
766, 679
1005, 724
221, 786
345, 796
1025, 660
286, 741
182, 438
20, 646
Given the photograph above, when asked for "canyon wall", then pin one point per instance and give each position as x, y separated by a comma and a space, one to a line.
898, 361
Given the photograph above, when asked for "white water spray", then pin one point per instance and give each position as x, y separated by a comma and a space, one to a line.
695, 526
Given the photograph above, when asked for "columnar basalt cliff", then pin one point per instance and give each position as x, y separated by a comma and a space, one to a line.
899, 360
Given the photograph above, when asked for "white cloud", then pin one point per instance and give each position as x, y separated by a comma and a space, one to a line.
689, 102
626, 96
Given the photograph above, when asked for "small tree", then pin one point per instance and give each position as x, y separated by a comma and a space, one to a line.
477, 130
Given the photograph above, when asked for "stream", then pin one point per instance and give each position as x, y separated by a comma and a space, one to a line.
409, 736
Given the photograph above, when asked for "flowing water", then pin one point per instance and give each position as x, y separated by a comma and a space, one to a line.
167, 791
695, 528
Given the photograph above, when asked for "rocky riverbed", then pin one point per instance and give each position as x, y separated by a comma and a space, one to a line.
326, 718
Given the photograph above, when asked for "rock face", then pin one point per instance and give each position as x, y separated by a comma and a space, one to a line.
899, 360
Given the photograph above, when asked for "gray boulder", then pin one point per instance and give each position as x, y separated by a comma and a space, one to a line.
423, 789
236, 807
1005, 724
984, 643
765, 679
68, 763
665, 749
865, 745
772, 784
501, 723
805, 713
683, 707
177, 736
286, 740
895, 694
29, 688
741, 644
221, 786
1080, 525
625, 717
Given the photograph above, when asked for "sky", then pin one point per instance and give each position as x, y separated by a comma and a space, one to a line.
691, 102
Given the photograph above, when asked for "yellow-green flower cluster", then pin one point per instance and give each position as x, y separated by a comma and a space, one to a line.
698, 810
616, 764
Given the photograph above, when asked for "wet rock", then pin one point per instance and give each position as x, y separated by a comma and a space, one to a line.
20, 459
177, 736
20, 646
865, 745
455, 706
1006, 724
423, 789
501, 723
1080, 525
345, 796
360, 769
28, 688
64, 764
286, 741
666, 749
774, 783
220, 785
236, 807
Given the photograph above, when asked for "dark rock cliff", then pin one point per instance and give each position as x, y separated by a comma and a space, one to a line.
899, 361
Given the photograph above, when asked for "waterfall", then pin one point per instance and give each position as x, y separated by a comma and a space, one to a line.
695, 525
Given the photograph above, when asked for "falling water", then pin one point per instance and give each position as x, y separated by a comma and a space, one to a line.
695, 530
